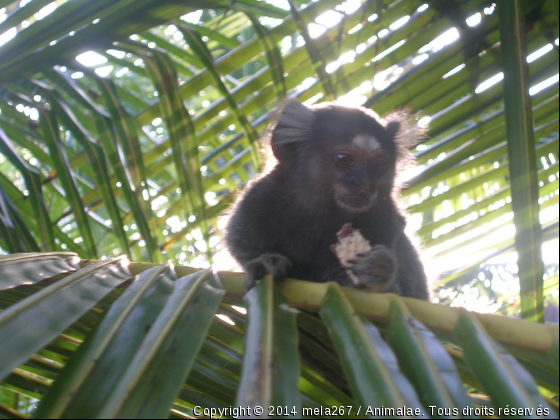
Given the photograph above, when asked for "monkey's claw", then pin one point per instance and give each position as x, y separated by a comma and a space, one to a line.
374, 269
275, 264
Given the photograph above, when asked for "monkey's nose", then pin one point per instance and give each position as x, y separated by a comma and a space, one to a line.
356, 181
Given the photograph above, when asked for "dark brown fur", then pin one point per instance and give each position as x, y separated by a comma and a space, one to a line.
287, 219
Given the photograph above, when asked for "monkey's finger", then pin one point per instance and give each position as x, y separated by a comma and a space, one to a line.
277, 265
278, 272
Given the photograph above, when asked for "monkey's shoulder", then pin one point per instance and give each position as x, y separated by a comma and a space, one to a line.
258, 214
267, 195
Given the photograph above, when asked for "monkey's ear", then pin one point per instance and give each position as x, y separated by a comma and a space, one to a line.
294, 126
393, 128
404, 131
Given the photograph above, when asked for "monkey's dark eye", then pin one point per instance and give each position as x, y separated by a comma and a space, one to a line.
379, 166
344, 160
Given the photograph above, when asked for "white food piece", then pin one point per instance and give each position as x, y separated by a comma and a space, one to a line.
350, 244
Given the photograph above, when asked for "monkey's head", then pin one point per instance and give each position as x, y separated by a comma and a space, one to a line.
336, 154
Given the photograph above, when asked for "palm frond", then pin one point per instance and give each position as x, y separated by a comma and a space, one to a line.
113, 345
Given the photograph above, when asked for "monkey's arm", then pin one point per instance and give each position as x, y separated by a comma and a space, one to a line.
372, 267
409, 278
275, 264
257, 257
254, 233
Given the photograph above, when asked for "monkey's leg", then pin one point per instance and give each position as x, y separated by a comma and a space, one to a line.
275, 264
375, 269
411, 278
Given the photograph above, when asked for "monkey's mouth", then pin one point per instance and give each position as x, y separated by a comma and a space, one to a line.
355, 202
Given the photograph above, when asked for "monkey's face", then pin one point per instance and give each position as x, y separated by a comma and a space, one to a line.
362, 172
337, 154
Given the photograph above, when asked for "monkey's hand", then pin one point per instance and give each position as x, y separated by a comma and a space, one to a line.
275, 264
374, 269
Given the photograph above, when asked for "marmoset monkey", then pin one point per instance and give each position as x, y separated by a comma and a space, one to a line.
335, 167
